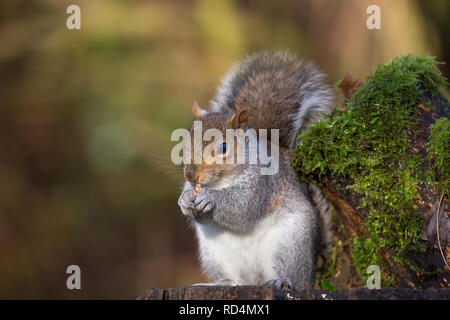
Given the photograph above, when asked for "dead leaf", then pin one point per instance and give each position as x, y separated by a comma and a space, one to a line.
348, 85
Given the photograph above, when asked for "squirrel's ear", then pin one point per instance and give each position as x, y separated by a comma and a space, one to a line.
197, 112
240, 119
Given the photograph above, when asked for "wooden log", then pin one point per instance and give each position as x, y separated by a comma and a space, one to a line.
271, 293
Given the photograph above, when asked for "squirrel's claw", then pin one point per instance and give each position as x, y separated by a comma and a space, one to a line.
186, 203
204, 202
280, 283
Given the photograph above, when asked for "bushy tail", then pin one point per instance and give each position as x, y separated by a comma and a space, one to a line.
279, 91
324, 208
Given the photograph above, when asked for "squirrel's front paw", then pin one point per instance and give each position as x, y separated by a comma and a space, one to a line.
186, 202
204, 202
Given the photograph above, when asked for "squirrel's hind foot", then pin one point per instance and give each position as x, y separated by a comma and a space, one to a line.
280, 283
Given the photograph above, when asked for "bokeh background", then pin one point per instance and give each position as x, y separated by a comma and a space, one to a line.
86, 117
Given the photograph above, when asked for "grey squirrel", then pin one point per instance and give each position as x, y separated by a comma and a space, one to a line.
257, 229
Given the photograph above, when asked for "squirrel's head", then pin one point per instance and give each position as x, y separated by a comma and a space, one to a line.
213, 164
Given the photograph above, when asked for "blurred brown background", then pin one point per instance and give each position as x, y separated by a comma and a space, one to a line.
86, 117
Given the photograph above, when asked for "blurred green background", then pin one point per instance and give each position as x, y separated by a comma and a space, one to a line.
86, 117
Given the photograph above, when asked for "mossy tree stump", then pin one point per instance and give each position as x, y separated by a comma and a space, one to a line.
383, 161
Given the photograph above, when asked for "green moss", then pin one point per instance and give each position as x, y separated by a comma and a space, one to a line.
368, 141
439, 155
364, 254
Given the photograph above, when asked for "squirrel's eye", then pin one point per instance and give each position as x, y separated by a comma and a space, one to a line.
224, 148
221, 149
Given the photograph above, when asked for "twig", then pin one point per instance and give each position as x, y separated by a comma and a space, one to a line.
437, 230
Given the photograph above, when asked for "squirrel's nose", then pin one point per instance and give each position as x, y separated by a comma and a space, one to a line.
190, 175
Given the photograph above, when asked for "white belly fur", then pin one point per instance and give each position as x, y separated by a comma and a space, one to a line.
250, 258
